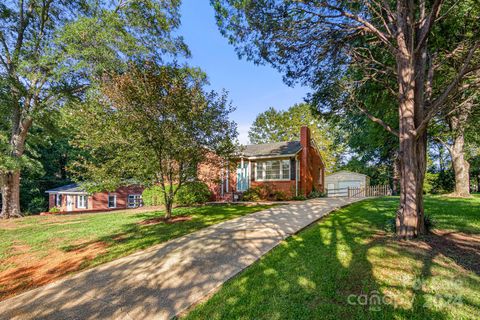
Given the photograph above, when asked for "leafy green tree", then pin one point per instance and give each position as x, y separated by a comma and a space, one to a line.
315, 42
51, 50
274, 126
154, 126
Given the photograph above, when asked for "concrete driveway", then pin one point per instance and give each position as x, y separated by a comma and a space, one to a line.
166, 279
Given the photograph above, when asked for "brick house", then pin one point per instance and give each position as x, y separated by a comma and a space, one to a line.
292, 167
72, 198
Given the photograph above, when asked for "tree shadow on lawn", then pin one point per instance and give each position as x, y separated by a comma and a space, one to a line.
346, 267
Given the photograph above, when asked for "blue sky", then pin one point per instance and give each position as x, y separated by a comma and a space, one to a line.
252, 89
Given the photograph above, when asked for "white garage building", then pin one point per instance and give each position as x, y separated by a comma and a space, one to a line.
338, 183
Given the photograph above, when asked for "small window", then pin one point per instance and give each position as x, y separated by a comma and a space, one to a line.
112, 200
58, 200
134, 200
82, 202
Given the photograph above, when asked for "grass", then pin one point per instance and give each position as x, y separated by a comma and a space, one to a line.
36, 250
346, 267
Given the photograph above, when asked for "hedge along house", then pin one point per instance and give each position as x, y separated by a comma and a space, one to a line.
292, 167
73, 198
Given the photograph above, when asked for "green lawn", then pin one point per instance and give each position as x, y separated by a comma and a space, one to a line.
38, 249
346, 267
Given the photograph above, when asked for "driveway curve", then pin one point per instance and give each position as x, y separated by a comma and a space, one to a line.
166, 279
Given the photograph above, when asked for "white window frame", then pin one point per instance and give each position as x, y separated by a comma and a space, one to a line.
134, 196
264, 170
82, 204
58, 200
114, 200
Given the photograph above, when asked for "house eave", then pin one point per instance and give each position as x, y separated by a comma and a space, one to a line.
275, 156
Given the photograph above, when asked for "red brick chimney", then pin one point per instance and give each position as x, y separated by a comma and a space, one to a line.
305, 179
305, 136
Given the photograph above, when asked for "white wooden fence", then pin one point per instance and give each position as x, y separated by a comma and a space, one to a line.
360, 192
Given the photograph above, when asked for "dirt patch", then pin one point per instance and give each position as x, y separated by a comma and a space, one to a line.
462, 248
158, 220
23, 270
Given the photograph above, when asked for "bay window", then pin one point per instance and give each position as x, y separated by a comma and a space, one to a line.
272, 170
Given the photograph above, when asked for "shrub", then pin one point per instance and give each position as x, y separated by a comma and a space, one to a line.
54, 210
316, 194
193, 193
251, 195
299, 198
153, 196
189, 194
280, 196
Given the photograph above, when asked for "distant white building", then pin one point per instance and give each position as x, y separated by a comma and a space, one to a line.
338, 183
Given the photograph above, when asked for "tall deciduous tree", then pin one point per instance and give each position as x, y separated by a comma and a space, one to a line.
316, 41
154, 126
50, 49
274, 126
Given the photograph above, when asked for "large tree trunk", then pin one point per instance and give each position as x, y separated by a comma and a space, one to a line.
410, 73
10, 188
461, 167
409, 221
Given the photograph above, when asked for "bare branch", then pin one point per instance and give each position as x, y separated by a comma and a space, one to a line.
377, 120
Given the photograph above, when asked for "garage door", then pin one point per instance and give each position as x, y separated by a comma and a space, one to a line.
349, 184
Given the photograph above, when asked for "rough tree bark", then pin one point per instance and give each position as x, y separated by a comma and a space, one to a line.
460, 165
10, 180
10, 187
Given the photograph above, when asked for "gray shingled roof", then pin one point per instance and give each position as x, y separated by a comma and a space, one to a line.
69, 188
271, 149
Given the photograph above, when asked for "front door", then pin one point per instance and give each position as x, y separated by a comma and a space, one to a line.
70, 202
242, 177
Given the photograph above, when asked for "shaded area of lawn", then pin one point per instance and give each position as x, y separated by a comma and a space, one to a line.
347, 267
39, 249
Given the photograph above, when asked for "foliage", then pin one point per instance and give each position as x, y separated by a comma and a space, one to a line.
120, 234
299, 198
280, 196
50, 53
438, 182
353, 255
418, 54
316, 194
251, 195
275, 126
264, 192
153, 196
159, 114
195, 192
54, 210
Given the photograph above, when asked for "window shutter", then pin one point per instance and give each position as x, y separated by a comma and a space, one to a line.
292, 168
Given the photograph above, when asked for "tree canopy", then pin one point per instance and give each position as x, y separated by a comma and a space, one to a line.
50, 52
152, 125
